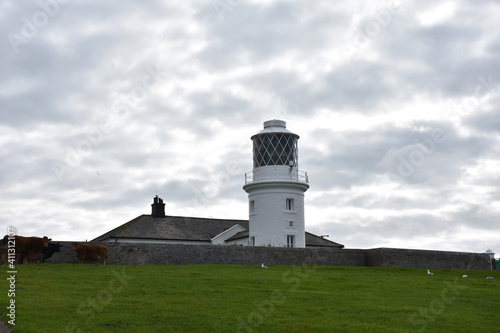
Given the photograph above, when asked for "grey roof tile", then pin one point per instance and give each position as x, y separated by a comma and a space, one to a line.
172, 228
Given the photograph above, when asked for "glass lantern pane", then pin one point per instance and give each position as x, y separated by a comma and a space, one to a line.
275, 149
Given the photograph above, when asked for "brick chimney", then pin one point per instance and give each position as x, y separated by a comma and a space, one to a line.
157, 207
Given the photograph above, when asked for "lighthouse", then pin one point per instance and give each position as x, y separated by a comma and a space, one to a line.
276, 188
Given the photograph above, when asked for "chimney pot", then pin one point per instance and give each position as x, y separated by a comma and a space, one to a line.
157, 208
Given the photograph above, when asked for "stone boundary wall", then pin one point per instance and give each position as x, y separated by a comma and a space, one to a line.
181, 254
387, 257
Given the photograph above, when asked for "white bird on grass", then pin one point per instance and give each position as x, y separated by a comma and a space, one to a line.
464, 276
264, 266
490, 277
429, 273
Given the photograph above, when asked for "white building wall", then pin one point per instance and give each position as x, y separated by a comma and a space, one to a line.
154, 241
270, 220
241, 241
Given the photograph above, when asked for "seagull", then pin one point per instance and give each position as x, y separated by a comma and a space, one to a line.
98, 173
490, 277
429, 273
264, 266
464, 276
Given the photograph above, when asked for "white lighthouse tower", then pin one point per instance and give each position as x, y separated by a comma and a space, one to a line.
276, 188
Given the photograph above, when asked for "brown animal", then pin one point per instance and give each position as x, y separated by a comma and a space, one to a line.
3, 249
28, 247
93, 252
37, 258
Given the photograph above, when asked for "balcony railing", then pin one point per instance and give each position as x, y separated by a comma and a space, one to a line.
297, 175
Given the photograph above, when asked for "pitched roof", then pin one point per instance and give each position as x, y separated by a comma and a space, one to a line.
172, 228
313, 240
239, 235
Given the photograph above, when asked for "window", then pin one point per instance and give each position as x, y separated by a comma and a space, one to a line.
252, 207
289, 204
290, 241
252, 241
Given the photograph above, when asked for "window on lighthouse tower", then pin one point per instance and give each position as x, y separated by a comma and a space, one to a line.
290, 240
289, 204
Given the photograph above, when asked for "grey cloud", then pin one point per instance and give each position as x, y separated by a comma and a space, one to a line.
485, 122
70, 77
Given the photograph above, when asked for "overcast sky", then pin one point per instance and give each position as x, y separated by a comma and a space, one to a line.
104, 105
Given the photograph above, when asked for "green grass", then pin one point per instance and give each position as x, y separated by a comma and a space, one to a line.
232, 298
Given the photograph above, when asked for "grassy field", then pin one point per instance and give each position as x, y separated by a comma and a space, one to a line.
231, 298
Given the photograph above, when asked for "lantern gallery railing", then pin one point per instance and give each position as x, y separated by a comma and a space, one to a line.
276, 174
